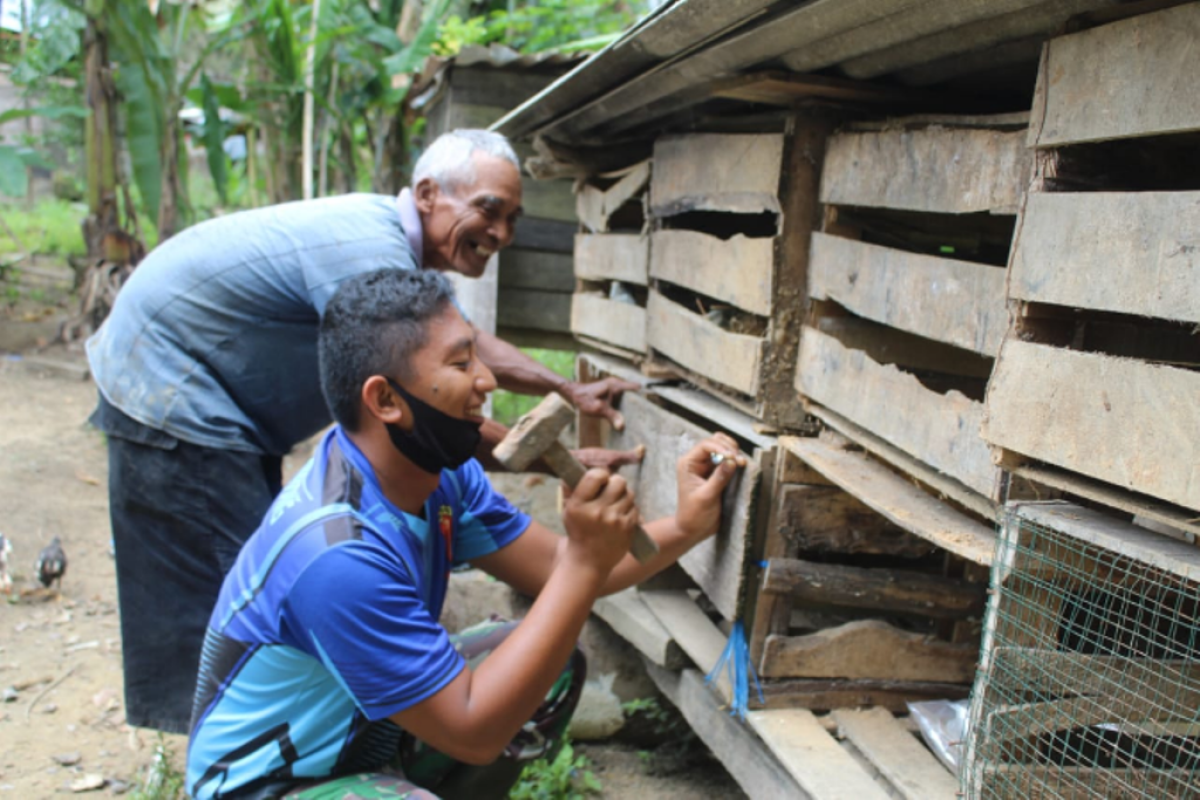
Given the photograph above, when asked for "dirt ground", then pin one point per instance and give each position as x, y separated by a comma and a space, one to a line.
62, 717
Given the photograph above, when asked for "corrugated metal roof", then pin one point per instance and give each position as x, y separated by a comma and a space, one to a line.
689, 51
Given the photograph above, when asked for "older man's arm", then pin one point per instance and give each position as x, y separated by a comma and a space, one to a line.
517, 372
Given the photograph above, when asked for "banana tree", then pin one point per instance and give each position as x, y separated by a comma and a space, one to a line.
151, 41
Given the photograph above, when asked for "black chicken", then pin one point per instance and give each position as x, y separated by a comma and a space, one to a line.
51, 564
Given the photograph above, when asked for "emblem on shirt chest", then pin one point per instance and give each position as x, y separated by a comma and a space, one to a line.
446, 526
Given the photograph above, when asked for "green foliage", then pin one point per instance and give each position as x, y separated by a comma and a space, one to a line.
49, 228
567, 777
163, 780
532, 27
508, 407
214, 138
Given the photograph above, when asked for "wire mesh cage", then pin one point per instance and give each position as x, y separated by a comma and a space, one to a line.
1089, 676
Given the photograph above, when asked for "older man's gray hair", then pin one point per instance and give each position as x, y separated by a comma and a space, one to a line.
450, 160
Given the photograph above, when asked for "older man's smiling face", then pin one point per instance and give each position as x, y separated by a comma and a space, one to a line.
464, 225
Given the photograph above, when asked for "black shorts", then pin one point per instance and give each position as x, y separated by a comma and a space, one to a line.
180, 514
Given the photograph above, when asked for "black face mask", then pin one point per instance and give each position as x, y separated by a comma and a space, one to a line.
438, 441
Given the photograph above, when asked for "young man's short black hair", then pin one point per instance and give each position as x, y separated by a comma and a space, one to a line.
372, 326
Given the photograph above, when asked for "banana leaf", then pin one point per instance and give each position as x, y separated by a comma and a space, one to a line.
214, 138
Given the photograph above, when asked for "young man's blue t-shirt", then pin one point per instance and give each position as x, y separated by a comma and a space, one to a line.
329, 621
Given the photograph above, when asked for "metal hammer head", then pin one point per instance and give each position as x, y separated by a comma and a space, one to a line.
534, 432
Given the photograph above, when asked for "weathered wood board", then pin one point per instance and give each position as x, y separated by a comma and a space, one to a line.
595, 206
1131, 253
1120, 80
612, 256
755, 767
1123, 421
630, 617
812, 756
956, 302
737, 271
941, 430
889, 590
716, 172
717, 564
905, 763
731, 359
529, 308
621, 324
897, 499
825, 519
535, 269
943, 170
868, 649
1118, 536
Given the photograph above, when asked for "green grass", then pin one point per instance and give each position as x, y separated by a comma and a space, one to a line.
507, 407
51, 227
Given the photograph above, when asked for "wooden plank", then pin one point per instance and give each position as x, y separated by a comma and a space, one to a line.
1147, 508
595, 206
939, 485
1116, 535
737, 270
888, 345
536, 269
632, 619
528, 308
949, 171
903, 761
717, 563
811, 755
1132, 253
1119, 80
549, 199
1132, 424
545, 234
892, 590
956, 302
1043, 19
1161, 682
612, 256
823, 694
825, 519
622, 324
868, 649
694, 632
897, 499
716, 172
941, 430
722, 416
1047, 782
789, 90
731, 359
753, 766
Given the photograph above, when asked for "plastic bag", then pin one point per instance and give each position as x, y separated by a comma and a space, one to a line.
943, 725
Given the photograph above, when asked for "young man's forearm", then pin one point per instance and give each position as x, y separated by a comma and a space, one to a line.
672, 543
509, 685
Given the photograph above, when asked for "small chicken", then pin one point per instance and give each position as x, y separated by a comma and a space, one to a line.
51, 564
5, 580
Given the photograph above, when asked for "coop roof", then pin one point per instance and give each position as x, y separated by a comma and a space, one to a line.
691, 61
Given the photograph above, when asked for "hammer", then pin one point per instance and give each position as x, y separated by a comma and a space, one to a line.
536, 434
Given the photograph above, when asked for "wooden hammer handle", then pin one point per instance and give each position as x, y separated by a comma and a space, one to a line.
570, 471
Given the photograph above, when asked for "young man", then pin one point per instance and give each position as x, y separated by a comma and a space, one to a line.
207, 371
325, 672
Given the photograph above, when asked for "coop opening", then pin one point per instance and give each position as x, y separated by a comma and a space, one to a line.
1167, 163
980, 238
724, 224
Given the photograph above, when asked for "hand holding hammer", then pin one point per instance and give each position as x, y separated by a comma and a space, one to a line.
536, 434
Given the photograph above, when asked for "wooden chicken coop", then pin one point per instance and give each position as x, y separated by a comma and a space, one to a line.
934, 267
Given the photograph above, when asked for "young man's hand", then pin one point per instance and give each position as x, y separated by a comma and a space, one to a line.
701, 482
599, 516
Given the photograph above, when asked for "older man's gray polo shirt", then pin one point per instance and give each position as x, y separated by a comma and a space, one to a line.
213, 339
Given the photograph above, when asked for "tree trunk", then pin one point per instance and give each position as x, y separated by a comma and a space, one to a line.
168, 204
101, 142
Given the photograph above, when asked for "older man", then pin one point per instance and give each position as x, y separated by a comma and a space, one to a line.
207, 371
326, 673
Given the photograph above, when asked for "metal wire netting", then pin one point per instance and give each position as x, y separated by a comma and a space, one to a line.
1089, 682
